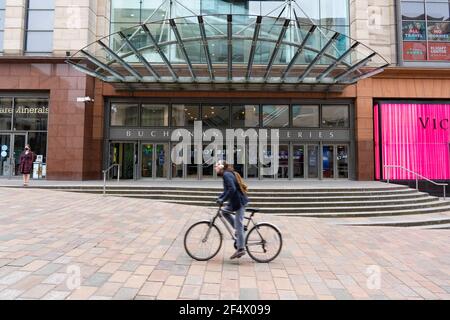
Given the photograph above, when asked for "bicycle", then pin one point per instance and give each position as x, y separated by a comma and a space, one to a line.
203, 240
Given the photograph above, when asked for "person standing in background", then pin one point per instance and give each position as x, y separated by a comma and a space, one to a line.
27, 157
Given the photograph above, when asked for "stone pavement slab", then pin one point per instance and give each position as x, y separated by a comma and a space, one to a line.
86, 246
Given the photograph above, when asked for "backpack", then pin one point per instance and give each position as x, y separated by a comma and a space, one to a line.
241, 183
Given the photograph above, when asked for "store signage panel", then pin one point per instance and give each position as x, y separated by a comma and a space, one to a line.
284, 134
417, 137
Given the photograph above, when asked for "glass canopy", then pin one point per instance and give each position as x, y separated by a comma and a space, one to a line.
242, 52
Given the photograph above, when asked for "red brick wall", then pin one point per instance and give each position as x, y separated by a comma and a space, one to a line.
69, 123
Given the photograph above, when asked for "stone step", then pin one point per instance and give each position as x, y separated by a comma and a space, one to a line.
442, 226
373, 214
285, 190
425, 222
275, 208
293, 202
299, 199
333, 193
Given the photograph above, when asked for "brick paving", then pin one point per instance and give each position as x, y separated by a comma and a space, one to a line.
58, 245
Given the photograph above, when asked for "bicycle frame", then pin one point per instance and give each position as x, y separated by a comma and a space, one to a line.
220, 214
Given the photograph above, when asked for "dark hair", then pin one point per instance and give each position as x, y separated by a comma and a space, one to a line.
227, 166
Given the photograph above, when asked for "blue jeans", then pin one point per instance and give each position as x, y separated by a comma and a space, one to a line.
238, 223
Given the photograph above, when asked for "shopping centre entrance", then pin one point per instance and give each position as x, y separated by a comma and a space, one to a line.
152, 160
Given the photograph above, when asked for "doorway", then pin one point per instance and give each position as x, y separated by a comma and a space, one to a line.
335, 161
155, 160
11, 146
124, 154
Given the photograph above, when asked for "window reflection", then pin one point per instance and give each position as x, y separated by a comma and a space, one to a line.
31, 114
155, 115
335, 116
333, 14
245, 116
215, 116
185, 115
276, 116
124, 114
5, 113
305, 116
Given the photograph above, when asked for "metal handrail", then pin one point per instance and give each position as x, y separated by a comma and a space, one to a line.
417, 177
106, 171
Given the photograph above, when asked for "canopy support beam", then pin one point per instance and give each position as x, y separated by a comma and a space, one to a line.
160, 52
297, 53
100, 64
318, 56
277, 48
180, 42
116, 57
206, 47
253, 47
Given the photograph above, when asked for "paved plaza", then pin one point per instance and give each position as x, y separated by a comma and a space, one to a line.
60, 245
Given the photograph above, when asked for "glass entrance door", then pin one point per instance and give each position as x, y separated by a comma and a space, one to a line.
342, 161
5, 155
239, 159
298, 161
162, 156
251, 161
328, 162
283, 161
209, 153
11, 146
313, 161
124, 154
155, 160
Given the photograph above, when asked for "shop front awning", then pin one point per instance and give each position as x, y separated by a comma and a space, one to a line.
228, 52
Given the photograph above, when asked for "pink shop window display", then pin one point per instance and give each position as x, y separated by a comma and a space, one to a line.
415, 136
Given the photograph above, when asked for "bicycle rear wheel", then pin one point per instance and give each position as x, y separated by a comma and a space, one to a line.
202, 241
264, 242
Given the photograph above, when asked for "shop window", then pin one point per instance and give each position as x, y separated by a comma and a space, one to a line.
413, 10
5, 113
216, 116
335, 116
305, 116
426, 30
124, 114
155, 115
185, 115
30, 114
245, 116
275, 116
438, 11
38, 143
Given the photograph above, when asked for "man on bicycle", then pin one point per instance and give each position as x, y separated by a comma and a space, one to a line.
237, 201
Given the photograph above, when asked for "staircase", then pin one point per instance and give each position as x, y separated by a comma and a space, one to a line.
299, 202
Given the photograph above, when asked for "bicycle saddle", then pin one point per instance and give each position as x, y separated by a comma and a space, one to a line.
252, 210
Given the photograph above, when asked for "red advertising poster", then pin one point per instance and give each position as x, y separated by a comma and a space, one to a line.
414, 51
439, 51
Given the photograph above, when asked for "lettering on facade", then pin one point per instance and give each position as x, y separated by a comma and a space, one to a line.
24, 110
164, 134
434, 123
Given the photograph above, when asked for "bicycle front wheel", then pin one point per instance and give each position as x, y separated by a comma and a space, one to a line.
202, 241
264, 242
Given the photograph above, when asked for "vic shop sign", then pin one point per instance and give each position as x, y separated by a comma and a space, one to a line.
435, 124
